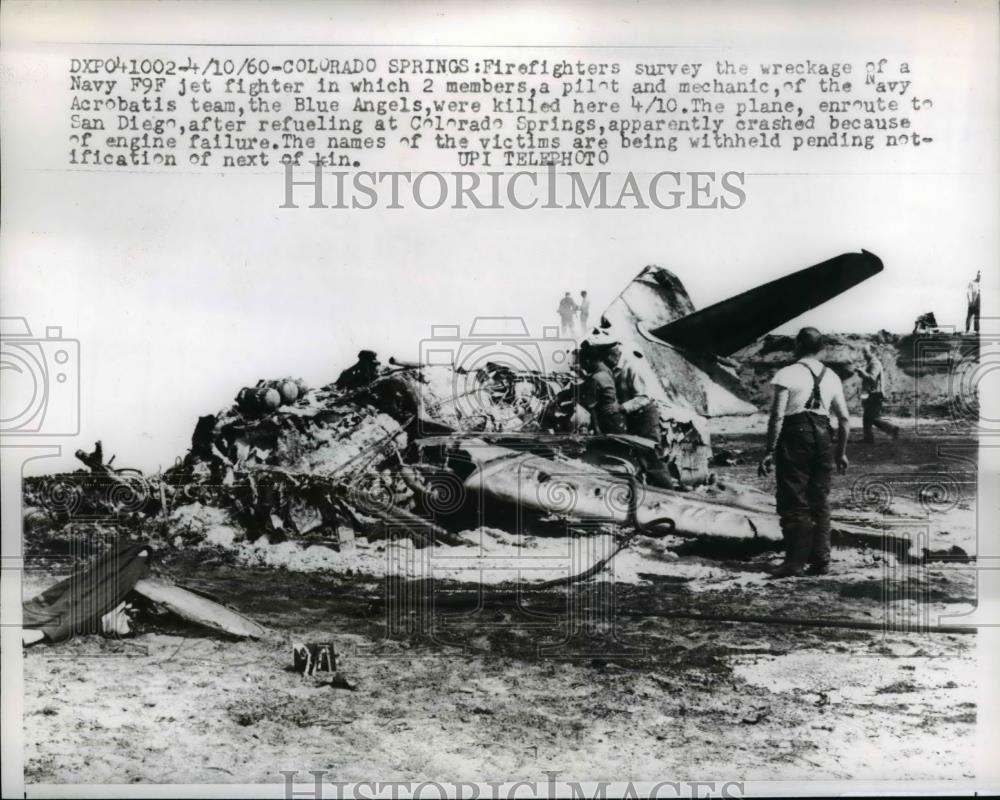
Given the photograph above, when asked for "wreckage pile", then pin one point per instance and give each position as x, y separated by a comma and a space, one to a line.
427, 452
317, 465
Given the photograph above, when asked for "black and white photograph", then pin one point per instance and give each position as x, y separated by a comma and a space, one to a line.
499, 400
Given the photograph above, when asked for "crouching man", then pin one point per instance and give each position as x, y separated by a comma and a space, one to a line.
800, 447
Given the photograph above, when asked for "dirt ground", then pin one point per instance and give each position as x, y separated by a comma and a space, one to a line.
596, 682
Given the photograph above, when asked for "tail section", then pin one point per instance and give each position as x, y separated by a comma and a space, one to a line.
725, 327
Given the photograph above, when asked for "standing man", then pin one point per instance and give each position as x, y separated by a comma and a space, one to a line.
567, 308
972, 298
800, 446
584, 312
872, 396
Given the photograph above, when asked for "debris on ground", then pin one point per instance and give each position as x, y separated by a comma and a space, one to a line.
725, 457
95, 599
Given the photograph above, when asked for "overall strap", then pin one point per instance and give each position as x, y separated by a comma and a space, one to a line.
815, 402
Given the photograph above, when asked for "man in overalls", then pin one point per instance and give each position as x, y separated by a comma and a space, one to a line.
800, 447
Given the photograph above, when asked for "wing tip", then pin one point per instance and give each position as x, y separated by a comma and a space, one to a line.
873, 261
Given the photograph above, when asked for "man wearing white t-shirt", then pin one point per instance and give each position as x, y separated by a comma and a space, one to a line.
972, 300
584, 309
800, 446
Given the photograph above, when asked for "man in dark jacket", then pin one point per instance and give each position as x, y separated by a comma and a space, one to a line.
598, 393
567, 310
361, 373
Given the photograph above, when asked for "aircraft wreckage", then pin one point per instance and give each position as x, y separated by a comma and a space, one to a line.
497, 437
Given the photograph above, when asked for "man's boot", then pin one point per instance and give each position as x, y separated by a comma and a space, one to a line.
788, 569
797, 534
819, 557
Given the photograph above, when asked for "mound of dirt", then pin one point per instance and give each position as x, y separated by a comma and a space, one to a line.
923, 372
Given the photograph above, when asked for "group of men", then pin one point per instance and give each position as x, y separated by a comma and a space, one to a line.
803, 448
571, 312
617, 393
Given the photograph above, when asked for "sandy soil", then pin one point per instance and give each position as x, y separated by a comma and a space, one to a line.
596, 682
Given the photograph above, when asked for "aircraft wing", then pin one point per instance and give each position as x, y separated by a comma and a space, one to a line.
726, 327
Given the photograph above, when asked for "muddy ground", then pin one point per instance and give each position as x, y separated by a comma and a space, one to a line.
501, 687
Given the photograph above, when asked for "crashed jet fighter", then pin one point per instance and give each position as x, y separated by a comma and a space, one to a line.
491, 433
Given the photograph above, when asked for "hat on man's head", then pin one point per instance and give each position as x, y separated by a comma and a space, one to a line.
367, 355
599, 339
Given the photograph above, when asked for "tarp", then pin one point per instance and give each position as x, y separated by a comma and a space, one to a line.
75, 605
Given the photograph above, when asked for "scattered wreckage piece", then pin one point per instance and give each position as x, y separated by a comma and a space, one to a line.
30, 636
81, 603
309, 658
269, 395
726, 458
76, 604
198, 609
532, 484
321, 432
493, 397
93, 496
926, 324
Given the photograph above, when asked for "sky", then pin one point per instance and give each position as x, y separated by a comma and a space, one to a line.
182, 288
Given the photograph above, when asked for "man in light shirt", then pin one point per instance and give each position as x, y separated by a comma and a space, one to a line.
800, 447
972, 299
584, 309
873, 395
